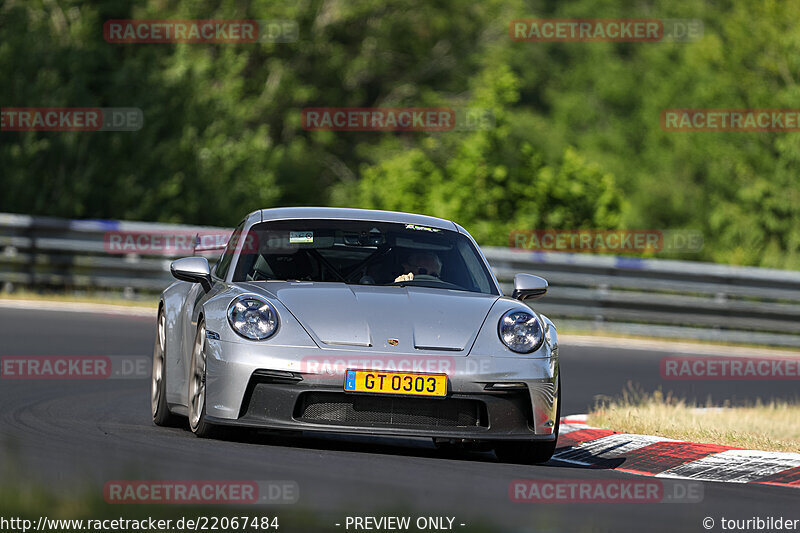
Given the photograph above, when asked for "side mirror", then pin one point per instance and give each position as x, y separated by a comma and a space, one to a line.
529, 287
193, 270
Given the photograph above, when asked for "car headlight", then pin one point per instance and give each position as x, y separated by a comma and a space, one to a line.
252, 317
520, 331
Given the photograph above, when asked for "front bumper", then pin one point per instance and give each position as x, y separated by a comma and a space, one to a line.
277, 388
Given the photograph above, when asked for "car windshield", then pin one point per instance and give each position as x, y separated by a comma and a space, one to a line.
362, 252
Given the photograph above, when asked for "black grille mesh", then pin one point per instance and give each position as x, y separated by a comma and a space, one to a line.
335, 408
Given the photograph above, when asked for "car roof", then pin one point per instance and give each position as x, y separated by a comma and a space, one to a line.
332, 213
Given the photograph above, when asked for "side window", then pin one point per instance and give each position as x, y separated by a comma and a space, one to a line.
224, 262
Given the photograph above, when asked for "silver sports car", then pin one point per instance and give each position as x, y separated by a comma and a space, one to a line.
357, 321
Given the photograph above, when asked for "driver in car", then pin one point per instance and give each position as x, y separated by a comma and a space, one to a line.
420, 264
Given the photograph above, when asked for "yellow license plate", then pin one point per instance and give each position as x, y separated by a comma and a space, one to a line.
379, 382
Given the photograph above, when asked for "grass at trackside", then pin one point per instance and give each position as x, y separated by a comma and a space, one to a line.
150, 301
773, 426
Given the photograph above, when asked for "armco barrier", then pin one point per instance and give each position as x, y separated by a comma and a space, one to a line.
651, 297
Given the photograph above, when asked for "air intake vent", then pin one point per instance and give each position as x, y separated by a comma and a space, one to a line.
345, 409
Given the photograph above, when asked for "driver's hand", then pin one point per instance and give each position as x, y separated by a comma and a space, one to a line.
404, 277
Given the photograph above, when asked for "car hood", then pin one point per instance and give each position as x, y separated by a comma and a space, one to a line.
370, 318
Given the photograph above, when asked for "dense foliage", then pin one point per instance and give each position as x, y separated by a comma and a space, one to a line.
577, 141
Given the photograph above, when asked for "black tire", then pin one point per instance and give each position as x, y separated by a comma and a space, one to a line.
158, 385
531, 452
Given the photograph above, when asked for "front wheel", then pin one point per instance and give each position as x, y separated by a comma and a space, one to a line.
197, 386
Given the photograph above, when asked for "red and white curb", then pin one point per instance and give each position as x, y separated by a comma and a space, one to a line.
579, 443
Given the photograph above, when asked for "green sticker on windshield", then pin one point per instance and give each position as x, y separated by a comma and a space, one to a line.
422, 228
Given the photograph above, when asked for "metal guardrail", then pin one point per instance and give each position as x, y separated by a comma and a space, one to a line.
651, 297
74, 254
662, 298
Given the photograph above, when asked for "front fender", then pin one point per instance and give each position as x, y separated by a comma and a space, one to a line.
171, 304
544, 392
488, 342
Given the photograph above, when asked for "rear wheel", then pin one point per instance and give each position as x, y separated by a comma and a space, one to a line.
158, 384
197, 386
531, 452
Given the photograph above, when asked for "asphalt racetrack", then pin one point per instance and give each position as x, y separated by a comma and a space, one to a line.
79, 434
